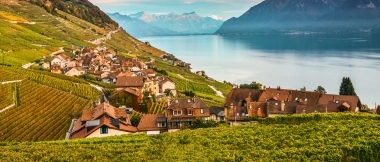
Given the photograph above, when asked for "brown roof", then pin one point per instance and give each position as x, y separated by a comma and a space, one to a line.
353, 101
103, 108
130, 81
149, 122
274, 94
236, 95
83, 132
308, 98
134, 91
148, 71
188, 103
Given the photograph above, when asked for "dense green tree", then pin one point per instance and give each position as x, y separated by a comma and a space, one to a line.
253, 85
168, 92
135, 120
346, 87
320, 89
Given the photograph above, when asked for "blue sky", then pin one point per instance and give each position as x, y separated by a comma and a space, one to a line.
224, 9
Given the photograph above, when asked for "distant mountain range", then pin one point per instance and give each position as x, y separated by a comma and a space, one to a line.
145, 24
305, 16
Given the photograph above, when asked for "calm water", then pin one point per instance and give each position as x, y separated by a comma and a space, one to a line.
289, 61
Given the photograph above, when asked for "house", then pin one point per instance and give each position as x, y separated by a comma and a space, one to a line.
148, 72
129, 81
339, 103
71, 64
153, 124
217, 113
182, 112
378, 110
61, 60
149, 86
102, 121
165, 83
130, 97
56, 68
237, 101
76, 71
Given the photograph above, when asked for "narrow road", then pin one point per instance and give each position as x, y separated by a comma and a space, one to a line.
107, 37
218, 93
99, 88
8, 107
12, 81
61, 50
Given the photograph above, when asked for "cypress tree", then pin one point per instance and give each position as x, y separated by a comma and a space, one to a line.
346, 87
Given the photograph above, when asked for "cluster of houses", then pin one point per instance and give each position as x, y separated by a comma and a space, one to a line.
102, 63
239, 106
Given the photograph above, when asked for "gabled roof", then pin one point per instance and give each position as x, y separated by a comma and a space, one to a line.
102, 115
130, 81
236, 95
217, 110
354, 101
309, 98
274, 94
188, 103
134, 91
163, 80
149, 122
102, 109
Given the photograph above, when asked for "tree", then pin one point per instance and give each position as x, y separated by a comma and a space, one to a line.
168, 92
135, 120
346, 87
253, 85
320, 89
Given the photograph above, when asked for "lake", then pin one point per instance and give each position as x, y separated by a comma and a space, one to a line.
289, 61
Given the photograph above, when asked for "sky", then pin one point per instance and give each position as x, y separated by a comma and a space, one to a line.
224, 9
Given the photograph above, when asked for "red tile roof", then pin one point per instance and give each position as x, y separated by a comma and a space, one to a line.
148, 122
130, 81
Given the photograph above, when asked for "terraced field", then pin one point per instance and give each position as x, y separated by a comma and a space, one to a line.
43, 113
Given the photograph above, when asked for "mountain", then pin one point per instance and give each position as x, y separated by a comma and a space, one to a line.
82, 9
290, 15
137, 27
187, 23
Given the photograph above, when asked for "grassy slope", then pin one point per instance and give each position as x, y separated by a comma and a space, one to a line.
23, 40
331, 137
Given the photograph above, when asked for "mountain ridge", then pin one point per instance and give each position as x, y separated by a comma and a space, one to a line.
179, 24
273, 16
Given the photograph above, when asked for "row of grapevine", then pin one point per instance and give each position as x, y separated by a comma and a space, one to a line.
44, 114
337, 138
158, 107
74, 86
6, 95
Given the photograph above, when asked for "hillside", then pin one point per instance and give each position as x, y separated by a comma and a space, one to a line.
314, 137
44, 104
37, 33
307, 16
82, 9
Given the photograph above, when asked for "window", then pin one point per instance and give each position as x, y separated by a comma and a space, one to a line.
305, 99
177, 112
202, 111
104, 130
276, 104
189, 112
161, 124
336, 101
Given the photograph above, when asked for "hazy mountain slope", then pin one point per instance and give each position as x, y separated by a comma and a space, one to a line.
187, 23
137, 27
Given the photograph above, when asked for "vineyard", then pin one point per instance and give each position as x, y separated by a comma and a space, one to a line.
68, 84
44, 113
6, 95
334, 138
158, 107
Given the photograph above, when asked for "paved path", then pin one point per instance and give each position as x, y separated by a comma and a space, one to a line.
26, 66
107, 37
99, 88
8, 107
61, 50
12, 81
218, 93
181, 76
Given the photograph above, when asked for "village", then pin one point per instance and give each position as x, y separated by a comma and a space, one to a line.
134, 79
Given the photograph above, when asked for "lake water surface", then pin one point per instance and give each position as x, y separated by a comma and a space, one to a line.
289, 61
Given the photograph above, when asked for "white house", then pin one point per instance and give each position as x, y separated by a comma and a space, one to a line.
165, 83
75, 71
